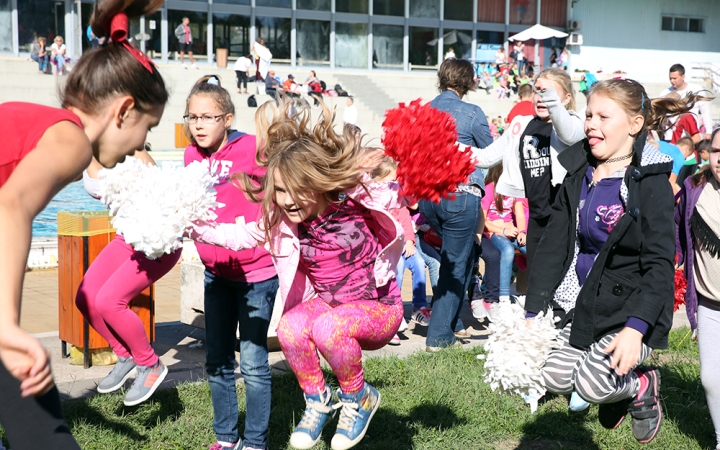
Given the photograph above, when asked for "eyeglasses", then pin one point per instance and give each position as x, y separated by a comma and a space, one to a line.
206, 119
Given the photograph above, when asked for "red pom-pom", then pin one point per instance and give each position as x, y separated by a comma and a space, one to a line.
680, 288
423, 140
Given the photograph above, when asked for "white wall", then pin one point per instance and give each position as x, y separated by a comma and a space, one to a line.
647, 66
627, 35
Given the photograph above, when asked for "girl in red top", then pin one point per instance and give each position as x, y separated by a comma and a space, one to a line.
111, 99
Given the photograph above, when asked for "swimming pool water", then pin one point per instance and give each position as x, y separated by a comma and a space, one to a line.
72, 198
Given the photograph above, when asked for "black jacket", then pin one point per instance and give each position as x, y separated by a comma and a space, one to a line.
633, 274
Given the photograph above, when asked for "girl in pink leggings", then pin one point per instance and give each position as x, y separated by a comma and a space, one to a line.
335, 248
116, 276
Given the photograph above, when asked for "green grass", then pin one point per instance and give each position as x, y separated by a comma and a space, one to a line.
429, 401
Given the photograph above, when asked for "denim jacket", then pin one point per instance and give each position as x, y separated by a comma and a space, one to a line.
472, 127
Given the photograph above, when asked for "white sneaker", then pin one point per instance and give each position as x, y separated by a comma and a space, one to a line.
493, 314
183, 66
421, 316
403, 326
194, 66
395, 340
478, 309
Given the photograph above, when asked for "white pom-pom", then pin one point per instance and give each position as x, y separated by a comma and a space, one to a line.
516, 354
153, 207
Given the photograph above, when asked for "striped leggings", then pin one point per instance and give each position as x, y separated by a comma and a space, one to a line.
588, 371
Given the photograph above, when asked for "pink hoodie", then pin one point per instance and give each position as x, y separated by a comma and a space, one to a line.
238, 155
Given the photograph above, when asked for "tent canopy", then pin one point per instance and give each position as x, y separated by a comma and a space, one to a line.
538, 32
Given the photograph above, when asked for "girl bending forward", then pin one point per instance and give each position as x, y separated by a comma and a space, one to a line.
335, 248
607, 259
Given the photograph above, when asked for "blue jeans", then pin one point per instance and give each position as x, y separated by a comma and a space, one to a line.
507, 248
60, 61
455, 221
227, 304
42, 62
417, 267
432, 261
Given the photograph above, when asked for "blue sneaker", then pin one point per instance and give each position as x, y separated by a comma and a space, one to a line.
577, 403
319, 408
357, 410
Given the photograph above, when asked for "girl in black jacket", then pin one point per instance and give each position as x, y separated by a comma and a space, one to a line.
608, 254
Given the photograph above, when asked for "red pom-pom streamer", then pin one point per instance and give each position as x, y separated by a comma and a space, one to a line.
680, 289
423, 140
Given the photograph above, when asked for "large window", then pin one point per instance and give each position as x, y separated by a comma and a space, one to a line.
6, 28
153, 47
491, 11
351, 45
36, 18
389, 7
458, 9
460, 41
274, 3
352, 6
425, 8
313, 43
198, 28
423, 46
387, 46
232, 31
688, 24
276, 33
314, 5
233, 2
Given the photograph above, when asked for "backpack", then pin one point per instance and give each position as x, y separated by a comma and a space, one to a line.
340, 91
251, 102
323, 85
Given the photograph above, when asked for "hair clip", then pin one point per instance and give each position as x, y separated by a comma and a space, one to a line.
213, 81
642, 102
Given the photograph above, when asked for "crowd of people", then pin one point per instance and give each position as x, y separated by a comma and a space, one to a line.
316, 216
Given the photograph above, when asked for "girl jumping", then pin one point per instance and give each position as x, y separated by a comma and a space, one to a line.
110, 101
607, 259
335, 248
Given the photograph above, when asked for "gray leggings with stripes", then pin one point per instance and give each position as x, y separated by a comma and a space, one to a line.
588, 371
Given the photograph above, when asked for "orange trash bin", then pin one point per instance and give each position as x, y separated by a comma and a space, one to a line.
82, 235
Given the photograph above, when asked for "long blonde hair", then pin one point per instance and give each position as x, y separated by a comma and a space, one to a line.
563, 79
308, 158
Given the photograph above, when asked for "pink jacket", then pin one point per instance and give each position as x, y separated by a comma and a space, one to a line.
284, 245
238, 155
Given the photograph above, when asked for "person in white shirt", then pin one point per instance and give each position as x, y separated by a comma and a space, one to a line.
59, 57
242, 69
450, 53
701, 110
350, 114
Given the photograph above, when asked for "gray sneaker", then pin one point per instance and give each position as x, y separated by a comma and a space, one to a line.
124, 369
146, 383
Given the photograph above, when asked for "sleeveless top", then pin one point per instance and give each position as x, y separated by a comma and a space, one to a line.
27, 123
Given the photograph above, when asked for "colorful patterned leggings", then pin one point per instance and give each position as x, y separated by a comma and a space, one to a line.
340, 334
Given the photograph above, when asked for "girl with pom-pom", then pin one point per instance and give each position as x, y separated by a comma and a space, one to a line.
335, 247
110, 100
607, 259
240, 285
116, 276
698, 242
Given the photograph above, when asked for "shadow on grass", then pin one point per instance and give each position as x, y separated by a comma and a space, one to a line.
126, 421
683, 401
388, 429
557, 429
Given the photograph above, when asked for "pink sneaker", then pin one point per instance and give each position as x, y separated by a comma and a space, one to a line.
395, 340
219, 446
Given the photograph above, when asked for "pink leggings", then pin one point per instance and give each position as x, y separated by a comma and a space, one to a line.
340, 334
117, 275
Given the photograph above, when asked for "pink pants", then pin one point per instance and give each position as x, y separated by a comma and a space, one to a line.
117, 275
340, 334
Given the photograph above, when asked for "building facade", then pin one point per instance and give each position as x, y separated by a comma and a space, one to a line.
356, 34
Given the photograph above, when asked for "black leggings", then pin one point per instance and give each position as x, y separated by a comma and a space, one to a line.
32, 422
536, 229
